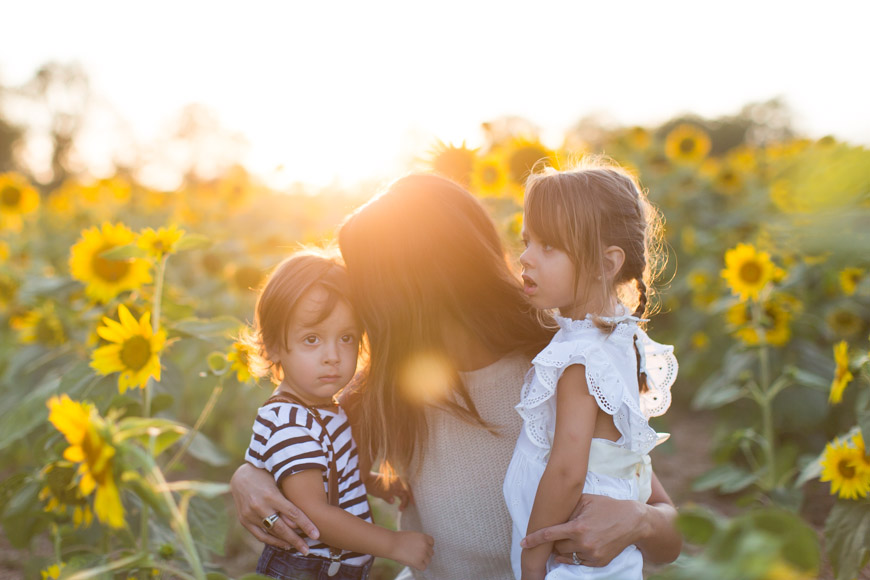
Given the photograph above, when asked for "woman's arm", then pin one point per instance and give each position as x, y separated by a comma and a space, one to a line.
346, 531
256, 496
565, 474
601, 527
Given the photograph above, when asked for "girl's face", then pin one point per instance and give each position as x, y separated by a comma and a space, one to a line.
321, 356
548, 275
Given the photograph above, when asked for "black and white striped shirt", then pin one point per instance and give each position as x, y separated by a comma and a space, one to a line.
287, 440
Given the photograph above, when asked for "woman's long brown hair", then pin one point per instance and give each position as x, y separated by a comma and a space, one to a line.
424, 257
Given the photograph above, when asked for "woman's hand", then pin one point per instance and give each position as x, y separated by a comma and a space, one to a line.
256, 497
602, 527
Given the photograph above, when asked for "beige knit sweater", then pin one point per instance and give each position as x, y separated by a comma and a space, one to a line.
458, 488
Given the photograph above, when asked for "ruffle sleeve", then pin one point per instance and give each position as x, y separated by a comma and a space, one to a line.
609, 362
661, 371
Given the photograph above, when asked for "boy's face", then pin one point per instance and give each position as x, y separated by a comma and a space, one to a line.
321, 357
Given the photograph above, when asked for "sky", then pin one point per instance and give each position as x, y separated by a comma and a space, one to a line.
341, 91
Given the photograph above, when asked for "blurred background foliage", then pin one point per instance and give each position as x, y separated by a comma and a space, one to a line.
765, 293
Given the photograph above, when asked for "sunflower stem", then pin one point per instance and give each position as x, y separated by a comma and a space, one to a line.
765, 401
206, 411
179, 520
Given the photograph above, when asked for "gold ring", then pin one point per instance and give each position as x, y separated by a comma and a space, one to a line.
269, 521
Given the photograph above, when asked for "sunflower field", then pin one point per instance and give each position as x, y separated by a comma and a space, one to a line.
127, 401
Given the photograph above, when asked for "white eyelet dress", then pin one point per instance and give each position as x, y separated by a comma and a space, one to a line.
619, 469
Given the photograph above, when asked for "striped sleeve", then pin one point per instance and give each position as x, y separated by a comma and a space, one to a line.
285, 440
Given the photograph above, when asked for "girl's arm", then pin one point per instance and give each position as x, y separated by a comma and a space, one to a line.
601, 527
341, 529
561, 486
256, 497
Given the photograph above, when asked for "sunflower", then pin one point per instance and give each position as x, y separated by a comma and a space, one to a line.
781, 570
775, 322
863, 463
161, 242
62, 494
5, 251
842, 376
783, 196
106, 278
91, 447
748, 271
704, 290
638, 138
40, 325
844, 322
700, 340
240, 357
839, 466
523, 155
687, 144
849, 280
52, 572
727, 180
457, 163
17, 199
489, 175
134, 352
234, 188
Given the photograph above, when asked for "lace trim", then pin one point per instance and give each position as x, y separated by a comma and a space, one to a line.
541, 381
661, 372
541, 385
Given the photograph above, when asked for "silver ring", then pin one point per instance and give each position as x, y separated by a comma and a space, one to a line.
269, 521
577, 561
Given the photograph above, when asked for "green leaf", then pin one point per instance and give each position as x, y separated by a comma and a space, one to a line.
208, 522
200, 488
124, 252
798, 543
164, 431
161, 402
809, 379
192, 242
713, 398
812, 470
697, 525
209, 328
204, 450
146, 493
847, 536
22, 515
727, 478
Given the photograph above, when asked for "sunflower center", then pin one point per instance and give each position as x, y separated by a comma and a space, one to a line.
10, 196
846, 469
490, 175
46, 330
109, 270
750, 272
687, 145
135, 352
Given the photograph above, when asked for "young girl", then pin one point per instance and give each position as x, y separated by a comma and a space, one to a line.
308, 336
586, 401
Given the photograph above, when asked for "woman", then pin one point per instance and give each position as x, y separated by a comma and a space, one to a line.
451, 337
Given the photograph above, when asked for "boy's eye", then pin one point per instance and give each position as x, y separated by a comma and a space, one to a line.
525, 243
348, 338
310, 339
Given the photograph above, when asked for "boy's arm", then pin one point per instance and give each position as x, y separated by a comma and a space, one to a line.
561, 486
342, 529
